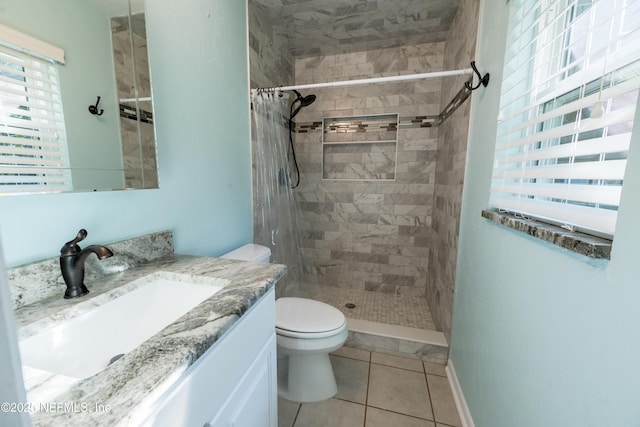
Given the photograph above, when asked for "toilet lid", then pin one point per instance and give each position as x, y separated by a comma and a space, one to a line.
307, 316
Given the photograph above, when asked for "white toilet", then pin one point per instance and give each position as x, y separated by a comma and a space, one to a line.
306, 332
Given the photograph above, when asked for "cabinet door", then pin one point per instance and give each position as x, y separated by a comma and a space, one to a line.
253, 403
210, 384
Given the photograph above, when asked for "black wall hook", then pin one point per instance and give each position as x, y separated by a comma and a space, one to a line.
93, 109
484, 80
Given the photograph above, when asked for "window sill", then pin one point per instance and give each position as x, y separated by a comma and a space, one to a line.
583, 244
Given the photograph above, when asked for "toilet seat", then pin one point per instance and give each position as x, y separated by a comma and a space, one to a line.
310, 335
305, 318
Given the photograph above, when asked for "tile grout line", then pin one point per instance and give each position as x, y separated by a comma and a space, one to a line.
393, 366
366, 398
297, 414
342, 399
407, 415
397, 367
433, 412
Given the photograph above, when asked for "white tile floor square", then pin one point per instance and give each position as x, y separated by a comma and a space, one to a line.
378, 390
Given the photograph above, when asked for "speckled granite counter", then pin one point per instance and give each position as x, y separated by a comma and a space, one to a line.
129, 385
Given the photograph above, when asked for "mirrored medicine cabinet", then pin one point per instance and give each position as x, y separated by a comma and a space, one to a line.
97, 133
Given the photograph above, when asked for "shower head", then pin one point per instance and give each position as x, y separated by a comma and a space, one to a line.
304, 102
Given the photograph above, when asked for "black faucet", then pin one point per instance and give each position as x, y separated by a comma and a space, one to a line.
72, 259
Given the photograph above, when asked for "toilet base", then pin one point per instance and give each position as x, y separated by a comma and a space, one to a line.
306, 377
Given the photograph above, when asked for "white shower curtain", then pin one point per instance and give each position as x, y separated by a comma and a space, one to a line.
275, 210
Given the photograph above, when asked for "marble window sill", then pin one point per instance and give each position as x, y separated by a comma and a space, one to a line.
583, 244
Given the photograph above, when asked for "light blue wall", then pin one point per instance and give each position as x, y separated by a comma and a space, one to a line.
541, 337
198, 60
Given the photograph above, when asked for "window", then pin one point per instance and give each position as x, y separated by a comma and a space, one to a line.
569, 94
33, 146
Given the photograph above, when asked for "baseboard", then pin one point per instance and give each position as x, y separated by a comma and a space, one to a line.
458, 396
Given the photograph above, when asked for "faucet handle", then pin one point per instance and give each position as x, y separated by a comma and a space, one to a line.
71, 247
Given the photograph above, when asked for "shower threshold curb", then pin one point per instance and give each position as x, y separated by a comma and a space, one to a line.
399, 340
398, 332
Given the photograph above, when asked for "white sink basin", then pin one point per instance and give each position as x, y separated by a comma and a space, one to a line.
84, 345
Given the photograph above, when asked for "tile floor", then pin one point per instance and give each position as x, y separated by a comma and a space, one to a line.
378, 390
373, 306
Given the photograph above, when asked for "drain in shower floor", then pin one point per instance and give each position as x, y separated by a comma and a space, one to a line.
350, 305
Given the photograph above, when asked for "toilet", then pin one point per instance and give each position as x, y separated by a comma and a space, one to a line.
306, 332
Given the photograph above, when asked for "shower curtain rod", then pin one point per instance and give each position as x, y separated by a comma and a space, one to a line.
463, 72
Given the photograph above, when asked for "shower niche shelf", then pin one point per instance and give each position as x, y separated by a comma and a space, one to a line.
360, 148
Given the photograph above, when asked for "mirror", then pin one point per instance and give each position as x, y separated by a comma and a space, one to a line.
110, 140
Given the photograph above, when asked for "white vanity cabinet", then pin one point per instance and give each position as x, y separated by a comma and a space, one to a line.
233, 384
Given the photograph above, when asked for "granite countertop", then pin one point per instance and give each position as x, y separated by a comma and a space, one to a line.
121, 393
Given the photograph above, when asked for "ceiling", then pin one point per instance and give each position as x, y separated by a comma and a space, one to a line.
322, 27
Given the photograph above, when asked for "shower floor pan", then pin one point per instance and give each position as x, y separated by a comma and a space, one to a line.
386, 323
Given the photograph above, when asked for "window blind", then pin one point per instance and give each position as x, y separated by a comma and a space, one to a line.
33, 147
569, 94
30, 45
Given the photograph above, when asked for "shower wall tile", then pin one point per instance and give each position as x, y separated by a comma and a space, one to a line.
140, 170
449, 173
330, 27
270, 63
362, 234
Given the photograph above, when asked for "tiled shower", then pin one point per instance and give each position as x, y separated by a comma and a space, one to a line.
380, 203
370, 231
136, 126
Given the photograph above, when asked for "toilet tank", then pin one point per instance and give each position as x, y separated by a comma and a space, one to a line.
250, 252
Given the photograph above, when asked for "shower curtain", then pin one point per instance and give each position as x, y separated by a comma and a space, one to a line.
275, 210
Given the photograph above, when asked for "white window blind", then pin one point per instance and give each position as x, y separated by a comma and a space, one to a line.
569, 94
33, 147
30, 45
